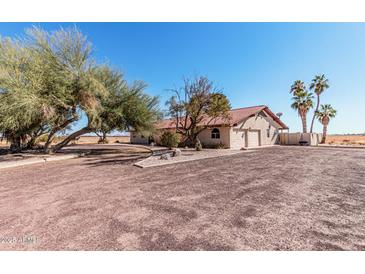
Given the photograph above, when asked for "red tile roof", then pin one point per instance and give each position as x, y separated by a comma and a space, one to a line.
236, 116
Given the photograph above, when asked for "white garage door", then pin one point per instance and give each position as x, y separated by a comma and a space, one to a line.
253, 138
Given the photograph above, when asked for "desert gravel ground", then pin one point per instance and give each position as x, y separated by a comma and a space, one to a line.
278, 198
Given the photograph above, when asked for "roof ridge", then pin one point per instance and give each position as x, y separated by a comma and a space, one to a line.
238, 115
232, 109
248, 107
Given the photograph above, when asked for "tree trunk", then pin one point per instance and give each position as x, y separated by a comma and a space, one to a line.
71, 137
15, 144
304, 122
324, 133
102, 138
190, 140
49, 141
58, 128
314, 114
31, 142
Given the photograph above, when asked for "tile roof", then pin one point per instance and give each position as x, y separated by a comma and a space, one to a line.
236, 116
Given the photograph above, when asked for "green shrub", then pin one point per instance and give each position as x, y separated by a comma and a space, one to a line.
216, 146
170, 139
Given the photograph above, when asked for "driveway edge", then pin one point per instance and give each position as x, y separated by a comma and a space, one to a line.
169, 162
37, 160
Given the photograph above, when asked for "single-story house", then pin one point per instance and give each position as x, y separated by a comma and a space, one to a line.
246, 127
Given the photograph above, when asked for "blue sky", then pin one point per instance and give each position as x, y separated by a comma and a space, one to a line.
254, 63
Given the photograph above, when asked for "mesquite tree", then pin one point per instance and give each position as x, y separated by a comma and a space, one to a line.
48, 80
195, 106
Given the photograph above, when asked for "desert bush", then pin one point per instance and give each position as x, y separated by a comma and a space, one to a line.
103, 141
216, 146
42, 139
170, 139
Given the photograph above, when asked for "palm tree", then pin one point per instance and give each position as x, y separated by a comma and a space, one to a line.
319, 84
297, 87
302, 103
323, 115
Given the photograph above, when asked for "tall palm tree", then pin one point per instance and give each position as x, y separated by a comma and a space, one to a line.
324, 115
303, 101
297, 87
318, 85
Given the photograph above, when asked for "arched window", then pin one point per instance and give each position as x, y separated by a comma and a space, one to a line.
215, 133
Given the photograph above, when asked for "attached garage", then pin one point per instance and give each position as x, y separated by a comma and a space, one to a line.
253, 138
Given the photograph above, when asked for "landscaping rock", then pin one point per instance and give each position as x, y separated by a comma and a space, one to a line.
176, 153
165, 156
198, 145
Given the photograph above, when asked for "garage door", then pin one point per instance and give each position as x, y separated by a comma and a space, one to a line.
253, 139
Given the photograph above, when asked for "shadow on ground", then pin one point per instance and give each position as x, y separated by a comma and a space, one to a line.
115, 159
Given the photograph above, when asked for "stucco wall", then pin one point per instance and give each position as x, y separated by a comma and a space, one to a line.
263, 124
313, 139
259, 122
237, 140
206, 139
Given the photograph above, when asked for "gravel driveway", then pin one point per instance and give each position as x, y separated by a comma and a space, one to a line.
278, 198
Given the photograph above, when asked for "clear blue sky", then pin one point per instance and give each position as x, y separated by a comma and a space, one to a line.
254, 63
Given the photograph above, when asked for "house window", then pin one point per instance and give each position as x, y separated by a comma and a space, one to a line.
215, 133
268, 131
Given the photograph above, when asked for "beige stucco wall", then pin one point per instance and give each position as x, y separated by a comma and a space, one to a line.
313, 139
237, 137
205, 137
258, 123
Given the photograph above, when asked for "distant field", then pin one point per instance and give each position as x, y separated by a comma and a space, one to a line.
3, 144
94, 139
346, 139
87, 140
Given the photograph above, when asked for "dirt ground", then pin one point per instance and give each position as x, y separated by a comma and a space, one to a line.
84, 140
346, 140
278, 198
